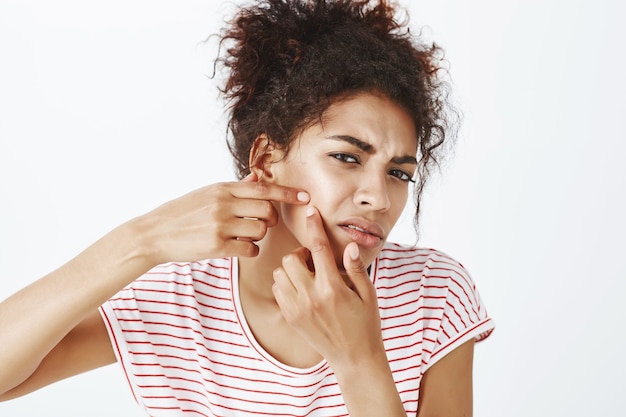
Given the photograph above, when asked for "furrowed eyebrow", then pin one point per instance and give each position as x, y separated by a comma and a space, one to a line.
405, 159
366, 147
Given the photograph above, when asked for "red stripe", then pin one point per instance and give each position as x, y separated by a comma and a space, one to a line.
181, 316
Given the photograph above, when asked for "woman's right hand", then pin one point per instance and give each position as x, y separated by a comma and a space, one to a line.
219, 220
41, 338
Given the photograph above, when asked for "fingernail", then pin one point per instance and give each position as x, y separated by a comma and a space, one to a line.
310, 211
303, 196
353, 251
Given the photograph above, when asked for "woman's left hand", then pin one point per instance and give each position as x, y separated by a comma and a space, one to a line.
339, 319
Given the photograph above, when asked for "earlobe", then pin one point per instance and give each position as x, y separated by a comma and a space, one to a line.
263, 154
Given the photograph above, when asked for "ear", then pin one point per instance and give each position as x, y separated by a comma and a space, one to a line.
263, 154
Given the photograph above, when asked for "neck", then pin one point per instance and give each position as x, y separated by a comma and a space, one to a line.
256, 273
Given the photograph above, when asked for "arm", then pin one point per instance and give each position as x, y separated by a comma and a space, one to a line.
35, 320
85, 347
446, 387
38, 325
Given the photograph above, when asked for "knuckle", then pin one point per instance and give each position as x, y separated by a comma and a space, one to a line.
359, 267
272, 219
261, 229
305, 310
222, 190
262, 187
318, 246
267, 209
289, 259
316, 306
250, 250
328, 295
289, 195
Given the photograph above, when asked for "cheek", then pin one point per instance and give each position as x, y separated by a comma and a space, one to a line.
398, 203
324, 197
294, 218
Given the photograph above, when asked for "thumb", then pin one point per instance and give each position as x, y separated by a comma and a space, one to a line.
357, 271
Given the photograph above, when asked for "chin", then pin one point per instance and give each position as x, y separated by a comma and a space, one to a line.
367, 254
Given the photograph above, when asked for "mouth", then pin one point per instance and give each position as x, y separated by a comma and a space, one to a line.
359, 229
364, 233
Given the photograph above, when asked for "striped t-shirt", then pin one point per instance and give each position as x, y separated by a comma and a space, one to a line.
185, 346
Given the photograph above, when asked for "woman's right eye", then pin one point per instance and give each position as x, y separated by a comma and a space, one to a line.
345, 157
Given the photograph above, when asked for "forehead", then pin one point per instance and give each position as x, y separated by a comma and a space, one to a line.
373, 118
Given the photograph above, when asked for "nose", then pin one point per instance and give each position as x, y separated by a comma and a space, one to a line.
373, 193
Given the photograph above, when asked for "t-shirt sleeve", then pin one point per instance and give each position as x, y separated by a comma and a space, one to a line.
456, 309
144, 325
116, 312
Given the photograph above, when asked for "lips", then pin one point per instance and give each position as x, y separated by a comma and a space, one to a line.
363, 232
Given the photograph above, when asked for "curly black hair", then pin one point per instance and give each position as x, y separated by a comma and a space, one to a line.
289, 60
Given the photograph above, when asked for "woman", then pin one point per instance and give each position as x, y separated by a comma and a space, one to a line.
279, 294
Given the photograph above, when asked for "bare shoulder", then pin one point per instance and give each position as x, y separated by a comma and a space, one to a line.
446, 387
84, 348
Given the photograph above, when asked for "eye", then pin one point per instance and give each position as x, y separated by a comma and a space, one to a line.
346, 157
401, 175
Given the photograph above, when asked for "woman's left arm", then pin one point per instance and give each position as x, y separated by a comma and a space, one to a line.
446, 387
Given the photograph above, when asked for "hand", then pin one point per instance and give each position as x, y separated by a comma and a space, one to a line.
338, 318
216, 221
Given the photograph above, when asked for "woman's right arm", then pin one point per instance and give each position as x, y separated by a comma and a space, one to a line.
51, 329
35, 320
84, 348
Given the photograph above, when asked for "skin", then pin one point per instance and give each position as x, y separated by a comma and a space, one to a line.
355, 168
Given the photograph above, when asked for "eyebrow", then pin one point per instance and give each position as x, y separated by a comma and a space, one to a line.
368, 148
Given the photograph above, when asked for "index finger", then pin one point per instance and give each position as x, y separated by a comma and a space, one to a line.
261, 190
319, 246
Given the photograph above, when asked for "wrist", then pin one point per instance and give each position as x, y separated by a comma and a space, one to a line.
138, 243
354, 367
369, 389
370, 355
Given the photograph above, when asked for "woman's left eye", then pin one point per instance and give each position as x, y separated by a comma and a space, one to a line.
401, 175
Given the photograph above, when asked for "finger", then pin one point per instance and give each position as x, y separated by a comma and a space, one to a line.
357, 271
285, 294
261, 190
245, 229
251, 177
283, 283
285, 302
241, 248
295, 265
255, 209
318, 244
